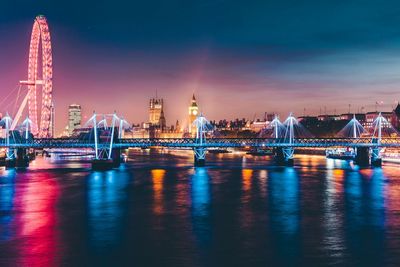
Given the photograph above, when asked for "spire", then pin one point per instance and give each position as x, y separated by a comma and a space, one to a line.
194, 104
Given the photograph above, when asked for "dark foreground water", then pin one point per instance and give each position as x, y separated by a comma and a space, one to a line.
158, 210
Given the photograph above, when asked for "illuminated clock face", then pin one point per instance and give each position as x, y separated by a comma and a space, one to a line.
194, 112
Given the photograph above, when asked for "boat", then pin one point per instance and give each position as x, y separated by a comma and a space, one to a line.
219, 151
340, 154
260, 152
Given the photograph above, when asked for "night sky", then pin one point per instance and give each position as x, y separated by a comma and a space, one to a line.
241, 58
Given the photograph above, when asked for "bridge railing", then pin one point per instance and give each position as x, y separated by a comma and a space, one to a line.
47, 143
211, 142
260, 142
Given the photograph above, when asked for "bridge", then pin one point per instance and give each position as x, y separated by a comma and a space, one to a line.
105, 131
104, 137
191, 143
106, 141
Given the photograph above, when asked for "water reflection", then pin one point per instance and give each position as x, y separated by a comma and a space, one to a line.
36, 204
262, 183
365, 216
332, 227
246, 213
157, 176
246, 180
284, 200
327, 214
106, 200
7, 193
201, 205
335, 175
284, 214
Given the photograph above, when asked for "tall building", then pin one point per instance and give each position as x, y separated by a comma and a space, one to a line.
156, 113
193, 112
74, 118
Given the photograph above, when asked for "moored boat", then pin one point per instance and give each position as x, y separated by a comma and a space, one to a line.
337, 153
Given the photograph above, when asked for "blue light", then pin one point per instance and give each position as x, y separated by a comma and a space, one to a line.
284, 197
200, 192
105, 195
201, 206
7, 194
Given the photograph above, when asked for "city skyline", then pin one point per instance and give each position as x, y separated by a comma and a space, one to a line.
200, 133
227, 60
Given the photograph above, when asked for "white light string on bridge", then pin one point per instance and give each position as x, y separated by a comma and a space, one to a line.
382, 128
353, 129
112, 135
278, 128
27, 124
101, 150
123, 125
7, 120
103, 122
294, 129
202, 127
93, 121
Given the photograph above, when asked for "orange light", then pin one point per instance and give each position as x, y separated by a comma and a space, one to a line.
247, 174
158, 179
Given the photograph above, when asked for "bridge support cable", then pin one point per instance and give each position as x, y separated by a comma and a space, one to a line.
93, 122
112, 135
16, 154
382, 128
107, 153
278, 128
285, 155
10, 153
200, 150
26, 124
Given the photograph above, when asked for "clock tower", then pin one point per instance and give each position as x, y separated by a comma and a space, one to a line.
193, 113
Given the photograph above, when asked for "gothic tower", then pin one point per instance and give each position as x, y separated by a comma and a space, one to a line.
193, 113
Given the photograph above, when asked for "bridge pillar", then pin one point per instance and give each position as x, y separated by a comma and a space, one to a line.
376, 159
284, 156
199, 156
362, 157
102, 163
10, 161
116, 157
22, 160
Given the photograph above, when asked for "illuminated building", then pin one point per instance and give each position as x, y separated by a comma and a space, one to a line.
193, 112
156, 113
371, 116
74, 118
257, 126
395, 120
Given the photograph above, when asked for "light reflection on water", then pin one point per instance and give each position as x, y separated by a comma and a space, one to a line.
105, 204
239, 210
7, 192
200, 195
157, 176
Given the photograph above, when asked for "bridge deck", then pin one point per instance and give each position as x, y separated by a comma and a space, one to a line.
210, 143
